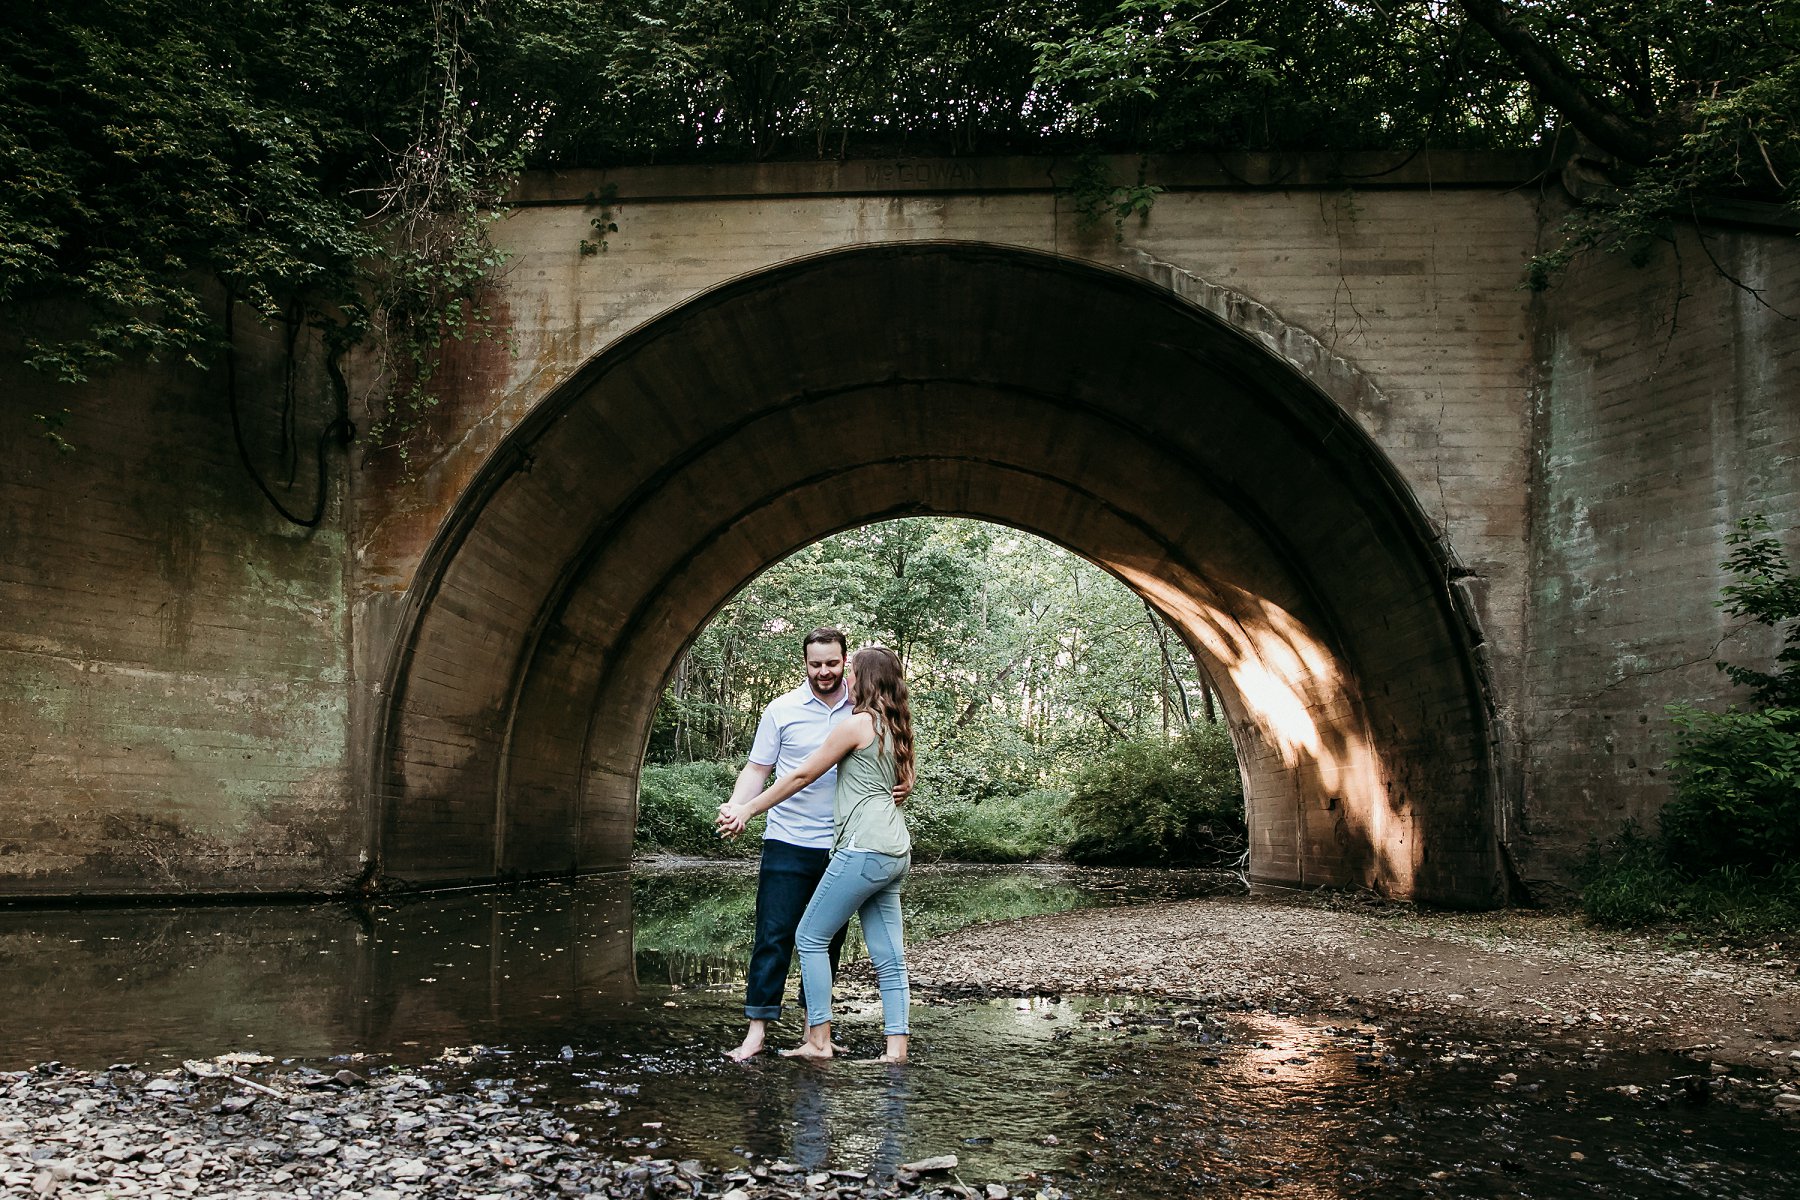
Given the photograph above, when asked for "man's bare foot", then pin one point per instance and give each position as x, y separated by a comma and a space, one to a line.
752, 1044
808, 1050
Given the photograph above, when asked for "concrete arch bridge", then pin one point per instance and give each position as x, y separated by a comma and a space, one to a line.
1445, 545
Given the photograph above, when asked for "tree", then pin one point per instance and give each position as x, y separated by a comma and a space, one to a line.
1024, 660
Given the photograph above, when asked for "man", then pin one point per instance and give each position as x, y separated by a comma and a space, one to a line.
797, 841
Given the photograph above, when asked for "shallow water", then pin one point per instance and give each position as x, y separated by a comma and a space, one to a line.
610, 999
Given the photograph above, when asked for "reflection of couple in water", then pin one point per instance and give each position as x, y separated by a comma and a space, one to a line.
841, 745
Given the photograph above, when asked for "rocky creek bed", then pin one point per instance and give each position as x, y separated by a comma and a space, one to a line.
1509, 970
1230, 1045
240, 1127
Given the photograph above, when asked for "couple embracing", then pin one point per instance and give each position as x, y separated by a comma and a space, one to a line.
841, 747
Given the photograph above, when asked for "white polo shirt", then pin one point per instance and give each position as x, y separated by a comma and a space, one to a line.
792, 727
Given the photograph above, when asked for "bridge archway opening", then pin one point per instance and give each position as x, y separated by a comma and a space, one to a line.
1025, 661
1098, 410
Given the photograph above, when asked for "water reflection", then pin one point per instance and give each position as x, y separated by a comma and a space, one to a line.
149, 984
146, 984
556, 1003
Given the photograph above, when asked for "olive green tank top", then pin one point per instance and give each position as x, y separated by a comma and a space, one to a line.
864, 815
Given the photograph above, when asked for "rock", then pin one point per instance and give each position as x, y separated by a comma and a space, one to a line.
406, 1169
997, 1192
1788, 1100
925, 1166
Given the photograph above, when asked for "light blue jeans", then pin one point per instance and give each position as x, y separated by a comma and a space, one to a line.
868, 884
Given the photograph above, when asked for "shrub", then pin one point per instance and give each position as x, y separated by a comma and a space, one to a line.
1737, 790
676, 806
999, 829
1627, 884
1160, 803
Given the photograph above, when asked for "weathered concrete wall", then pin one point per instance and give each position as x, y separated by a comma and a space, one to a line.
189, 685
1398, 300
1665, 412
1413, 281
174, 657
1089, 406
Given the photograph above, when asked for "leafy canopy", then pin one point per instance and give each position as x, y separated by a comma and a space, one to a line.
336, 161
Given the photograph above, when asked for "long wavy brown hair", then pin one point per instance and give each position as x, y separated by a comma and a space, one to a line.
878, 688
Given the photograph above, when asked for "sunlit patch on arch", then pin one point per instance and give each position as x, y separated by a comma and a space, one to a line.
1084, 405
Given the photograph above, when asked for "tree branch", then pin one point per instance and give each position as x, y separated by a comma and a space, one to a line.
1635, 142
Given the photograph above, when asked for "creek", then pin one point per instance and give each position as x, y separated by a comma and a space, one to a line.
609, 1000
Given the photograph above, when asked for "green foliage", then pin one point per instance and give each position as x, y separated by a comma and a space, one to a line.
1632, 884
603, 225
1764, 589
693, 913
342, 161
936, 904
1626, 884
1024, 662
677, 803
1155, 803
318, 162
1000, 829
1737, 790
1097, 197
709, 915
1023, 659
1678, 103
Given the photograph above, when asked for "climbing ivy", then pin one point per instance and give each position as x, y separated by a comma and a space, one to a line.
324, 161
1098, 198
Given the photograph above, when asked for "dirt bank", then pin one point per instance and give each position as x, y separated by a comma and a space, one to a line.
1499, 970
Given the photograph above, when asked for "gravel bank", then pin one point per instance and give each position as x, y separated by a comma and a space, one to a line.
1497, 970
233, 1127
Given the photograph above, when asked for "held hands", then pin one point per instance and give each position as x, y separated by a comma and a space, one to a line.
731, 820
901, 792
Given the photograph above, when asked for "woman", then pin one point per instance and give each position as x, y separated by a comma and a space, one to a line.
871, 849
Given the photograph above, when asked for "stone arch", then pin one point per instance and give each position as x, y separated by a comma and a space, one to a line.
1113, 414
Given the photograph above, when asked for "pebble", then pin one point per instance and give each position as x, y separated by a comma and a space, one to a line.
386, 1135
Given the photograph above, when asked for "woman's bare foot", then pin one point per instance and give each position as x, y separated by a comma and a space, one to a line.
818, 1043
897, 1044
752, 1044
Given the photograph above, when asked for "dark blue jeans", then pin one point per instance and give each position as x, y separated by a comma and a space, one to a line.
783, 886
